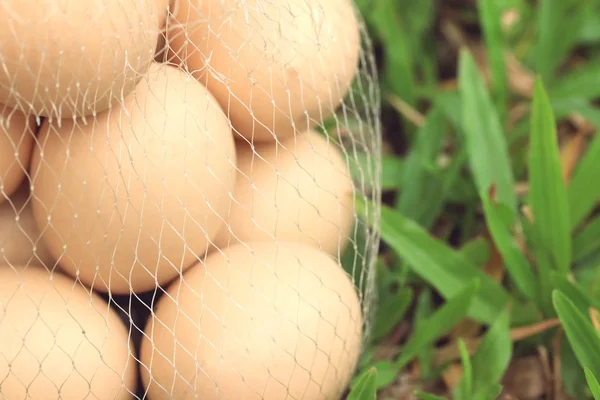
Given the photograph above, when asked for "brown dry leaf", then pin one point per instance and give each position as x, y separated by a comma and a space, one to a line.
450, 351
569, 155
452, 375
466, 329
495, 265
546, 368
525, 379
406, 110
595, 318
509, 18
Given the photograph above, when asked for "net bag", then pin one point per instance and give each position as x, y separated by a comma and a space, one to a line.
182, 191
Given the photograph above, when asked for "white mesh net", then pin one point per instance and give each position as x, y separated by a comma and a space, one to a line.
178, 188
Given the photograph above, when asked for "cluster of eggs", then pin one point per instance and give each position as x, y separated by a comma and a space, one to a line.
155, 144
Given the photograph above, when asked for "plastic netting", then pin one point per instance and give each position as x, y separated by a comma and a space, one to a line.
179, 210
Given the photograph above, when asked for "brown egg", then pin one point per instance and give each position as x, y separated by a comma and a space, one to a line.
16, 141
276, 66
298, 191
20, 238
268, 322
64, 58
133, 197
59, 341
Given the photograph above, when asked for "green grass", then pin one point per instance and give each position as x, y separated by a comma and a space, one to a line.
501, 131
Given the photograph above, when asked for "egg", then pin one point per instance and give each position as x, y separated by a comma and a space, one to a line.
263, 321
300, 190
277, 66
20, 238
65, 58
16, 143
129, 200
59, 341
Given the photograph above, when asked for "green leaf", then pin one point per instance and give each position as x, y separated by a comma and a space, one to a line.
584, 190
365, 387
441, 322
517, 265
391, 167
547, 191
398, 74
427, 396
390, 312
490, 14
580, 332
485, 141
423, 310
572, 292
581, 82
492, 357
592, 383
444, 268
464, 389
419, 186
558, 26
587, 241
477, 251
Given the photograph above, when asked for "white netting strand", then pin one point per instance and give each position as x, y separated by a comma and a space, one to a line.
178, 198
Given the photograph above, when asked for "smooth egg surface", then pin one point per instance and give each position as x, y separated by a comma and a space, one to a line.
59, 341
265, 322
299, 190
66, 58
133, 197
277, 67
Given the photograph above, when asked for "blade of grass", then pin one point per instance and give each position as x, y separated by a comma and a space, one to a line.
587, 241
431, 329
485, 141
444, 268
515, 262
423, 310
584, 190
581, 334
427, 396
547, 191
490, 14
477, 251
384, 16
418, 186
572, 292
592, 383
464, 389
558, 26
391, 168
365, 387
441, 322
581, 82
492, 357
390, 312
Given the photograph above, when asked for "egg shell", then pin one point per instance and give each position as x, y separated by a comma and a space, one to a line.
277, 66
64, 58
16, 143
299, 190
133, 197
263, 321
20, 238
59, 341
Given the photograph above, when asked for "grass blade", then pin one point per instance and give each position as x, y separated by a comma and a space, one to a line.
419, 188
464, 389
427, 396
517, 265
391, 169
440, 322
492, 357
580, 332
390, 312
572, 292
592, 383
580, 82
587, 241
584, 190
444, 268
364, 389
490, 12
547, 191
485, 141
